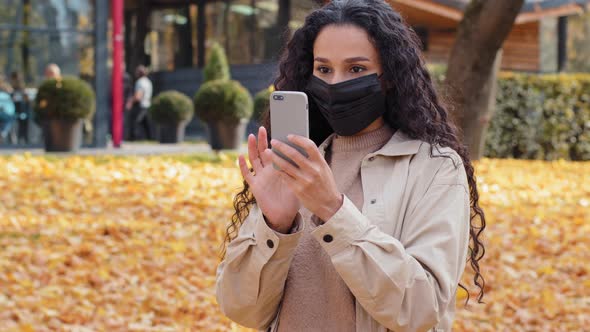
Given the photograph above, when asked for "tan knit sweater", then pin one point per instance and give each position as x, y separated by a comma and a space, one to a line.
316, 298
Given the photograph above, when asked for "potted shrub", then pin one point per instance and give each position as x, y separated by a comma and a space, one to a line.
171, 110
61, 106
226, 106
262, 103
216, 67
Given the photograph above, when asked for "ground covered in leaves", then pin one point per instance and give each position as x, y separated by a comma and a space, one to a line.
131, 244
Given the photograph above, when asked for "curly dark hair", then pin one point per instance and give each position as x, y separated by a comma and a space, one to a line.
412, 102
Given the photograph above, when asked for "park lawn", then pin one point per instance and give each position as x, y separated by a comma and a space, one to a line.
131, 244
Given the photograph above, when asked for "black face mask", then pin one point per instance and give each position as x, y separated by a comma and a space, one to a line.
349, 106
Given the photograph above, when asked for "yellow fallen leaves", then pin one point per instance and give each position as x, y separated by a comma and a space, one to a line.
131, 244
112, 244
537, 241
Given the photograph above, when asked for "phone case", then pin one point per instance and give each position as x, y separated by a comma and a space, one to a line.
289, 115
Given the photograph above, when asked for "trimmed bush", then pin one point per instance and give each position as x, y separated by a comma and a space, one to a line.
223, 100
566, 112
541, 117
216, 67
66, 98
538, 116
171, 107
513, 131
262, 102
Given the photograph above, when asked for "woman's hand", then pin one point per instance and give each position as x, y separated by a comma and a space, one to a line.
313, 182
274, 197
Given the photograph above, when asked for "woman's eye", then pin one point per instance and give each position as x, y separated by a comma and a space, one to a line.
324, 70
357, 69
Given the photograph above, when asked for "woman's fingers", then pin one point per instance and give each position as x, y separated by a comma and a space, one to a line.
262, 144
308, 145
293, 154
267, 157
244, 169
286, 167
253, 153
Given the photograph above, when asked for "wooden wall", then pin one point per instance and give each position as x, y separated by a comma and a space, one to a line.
521, 49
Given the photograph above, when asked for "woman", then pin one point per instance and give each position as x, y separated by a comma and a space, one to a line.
6, 110
21, 105
371, 233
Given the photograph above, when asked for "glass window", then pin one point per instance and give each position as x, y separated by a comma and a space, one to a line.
55, 31
248, 30
244, 29
34, 33
28, 52
58, 14
299, 11
169, 43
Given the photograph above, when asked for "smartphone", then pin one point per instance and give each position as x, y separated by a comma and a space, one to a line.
289, 116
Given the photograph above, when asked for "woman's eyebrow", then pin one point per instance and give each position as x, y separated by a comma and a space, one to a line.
349, 60
318, 59
357, 59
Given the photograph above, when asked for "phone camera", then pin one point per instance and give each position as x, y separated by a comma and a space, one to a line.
278, 97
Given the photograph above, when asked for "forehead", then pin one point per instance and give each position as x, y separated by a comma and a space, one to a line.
339, 42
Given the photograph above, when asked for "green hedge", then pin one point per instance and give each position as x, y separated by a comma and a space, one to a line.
541, 117
538, 116
64, 98
171, 107
262, 103
223, 100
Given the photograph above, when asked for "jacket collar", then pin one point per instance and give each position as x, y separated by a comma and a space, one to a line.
400, 144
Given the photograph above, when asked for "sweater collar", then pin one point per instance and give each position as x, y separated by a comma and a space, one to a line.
372, 140
400, 144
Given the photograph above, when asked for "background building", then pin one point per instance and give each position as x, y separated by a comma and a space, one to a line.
172, 38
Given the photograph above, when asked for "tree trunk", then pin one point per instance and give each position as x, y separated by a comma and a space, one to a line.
283, 17
473, 64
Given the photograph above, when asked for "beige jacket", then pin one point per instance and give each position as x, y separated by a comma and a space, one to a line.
402, 256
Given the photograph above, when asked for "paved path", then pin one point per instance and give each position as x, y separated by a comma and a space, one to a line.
128, 148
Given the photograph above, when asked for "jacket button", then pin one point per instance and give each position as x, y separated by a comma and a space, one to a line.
372, 158
373, 201
270, 244
328, 238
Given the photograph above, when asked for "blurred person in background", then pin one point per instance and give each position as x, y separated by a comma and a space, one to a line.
7, 112
52, 71
21, 104
139, 104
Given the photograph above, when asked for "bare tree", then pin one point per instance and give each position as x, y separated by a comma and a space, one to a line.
473, 66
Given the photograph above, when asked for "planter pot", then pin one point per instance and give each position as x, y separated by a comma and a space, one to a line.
61, 135
227, 136
171, 132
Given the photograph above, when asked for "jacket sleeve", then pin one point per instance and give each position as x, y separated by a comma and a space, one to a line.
406, 284
251, 278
